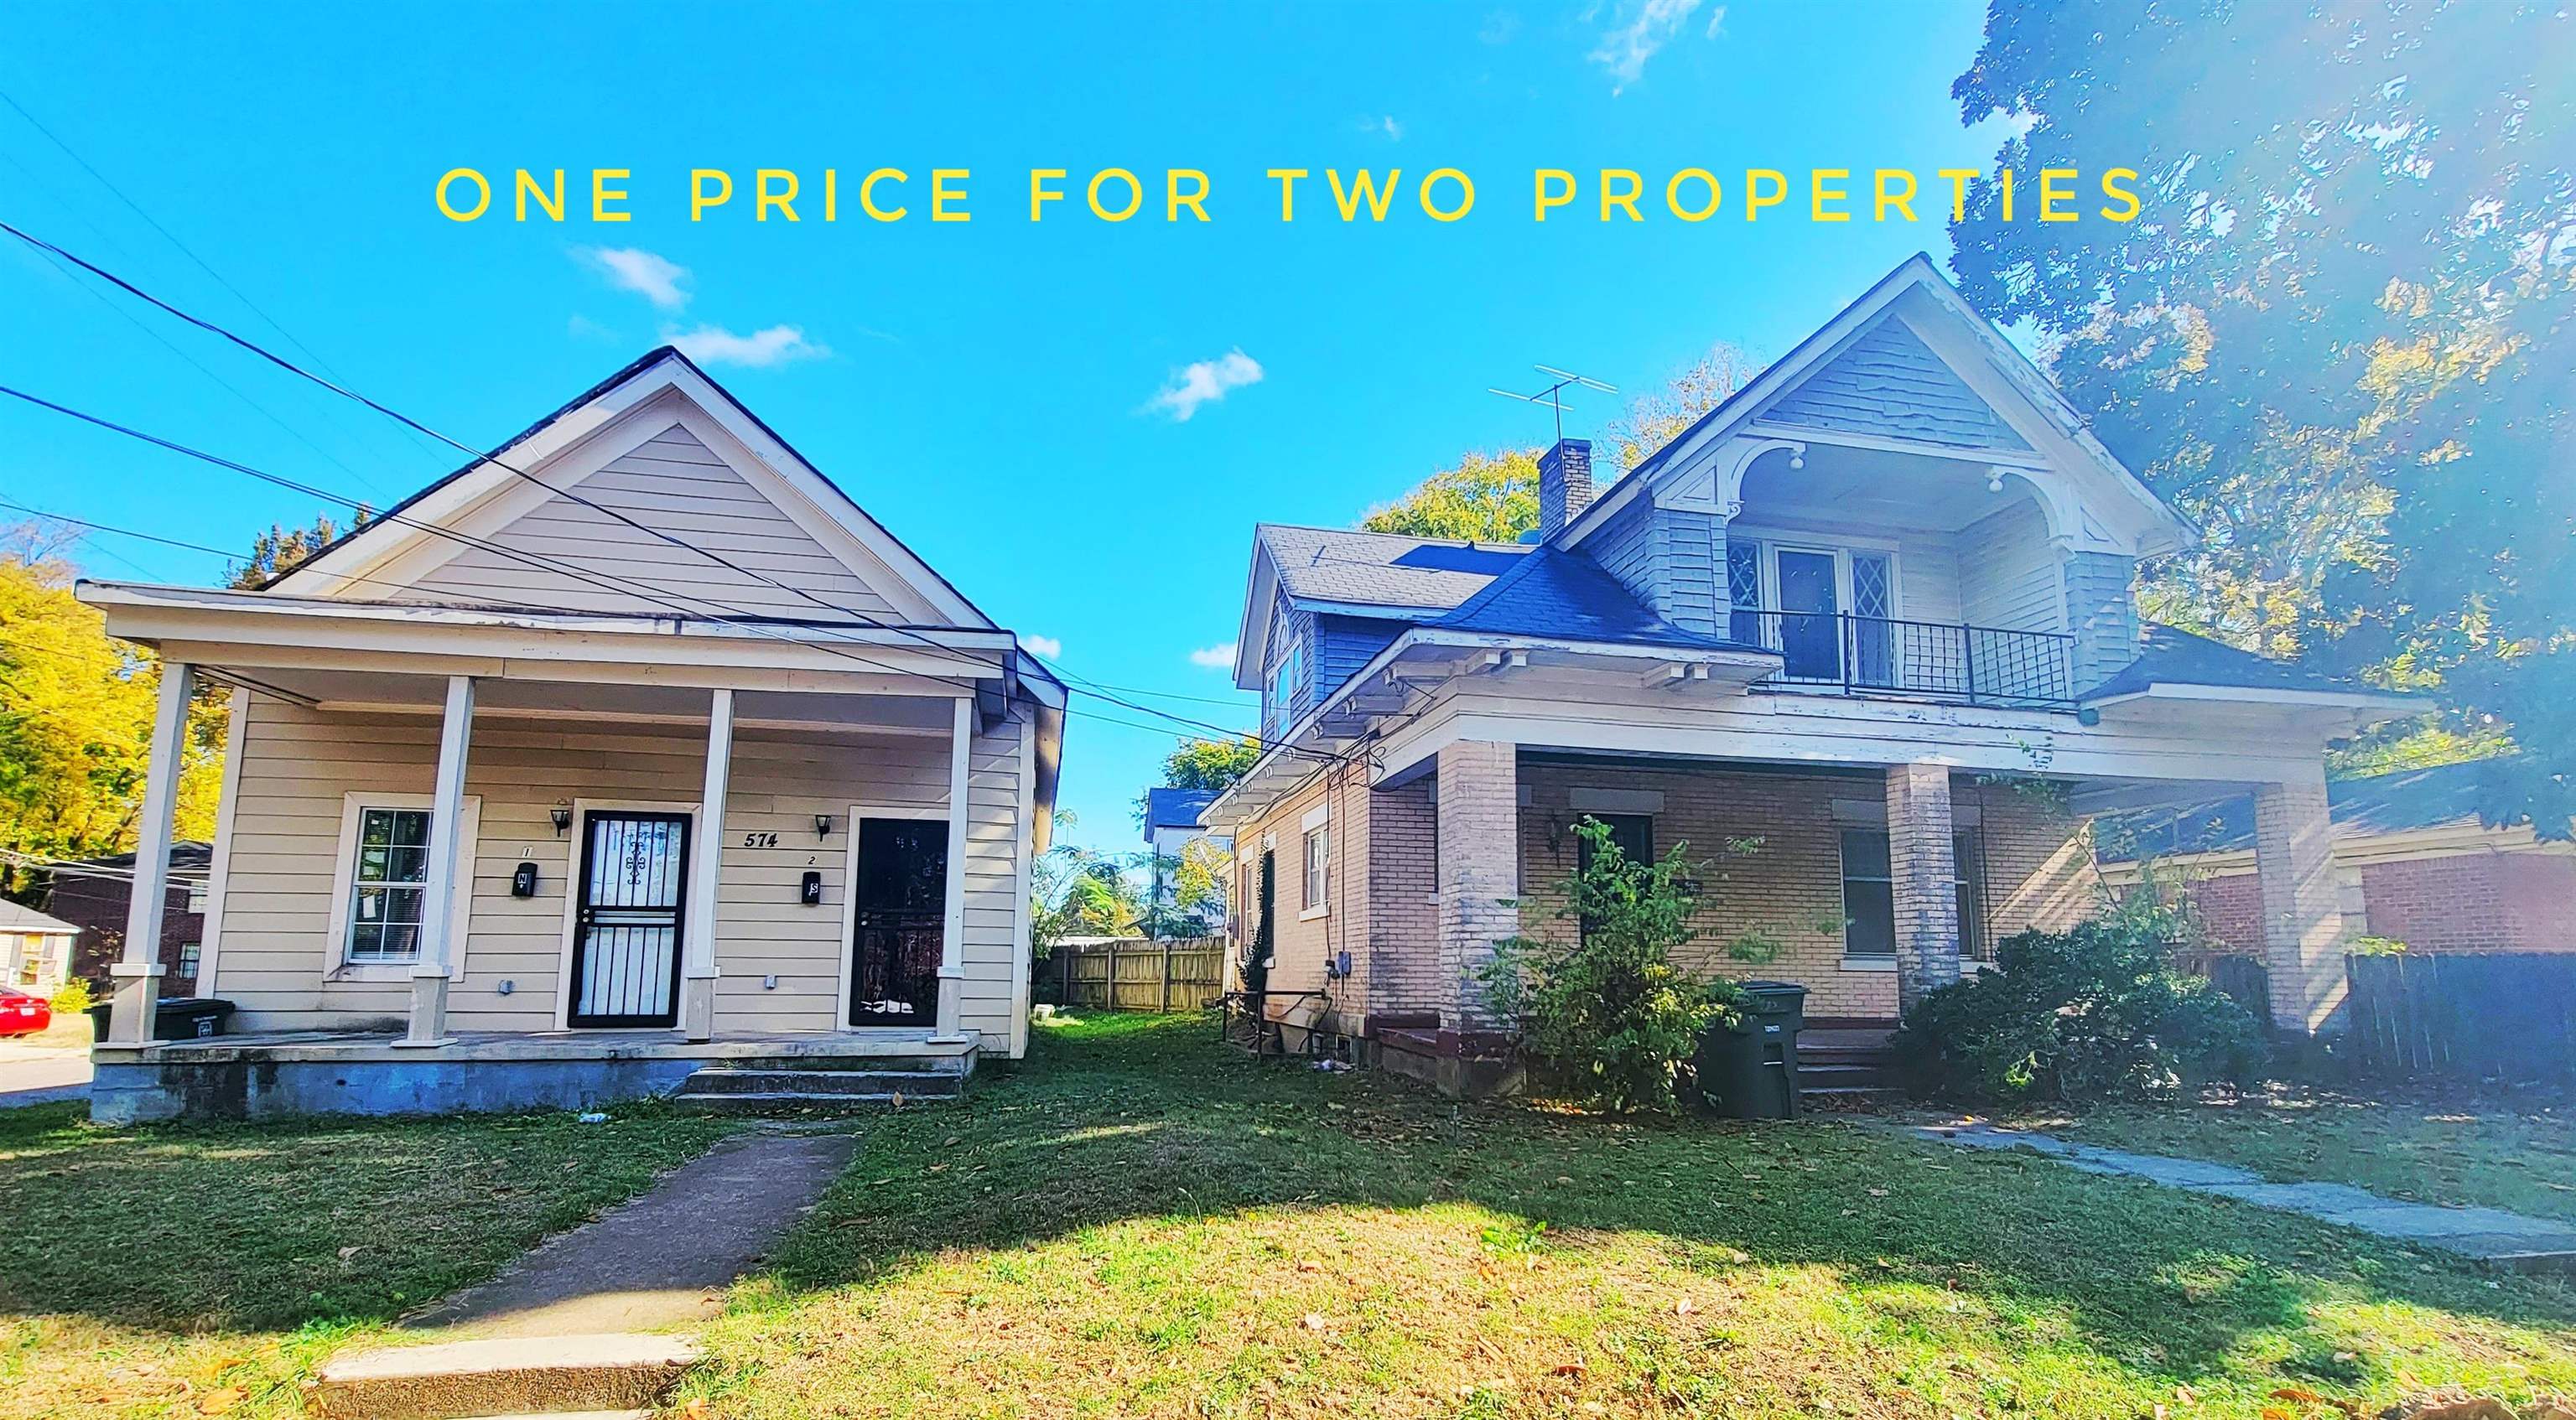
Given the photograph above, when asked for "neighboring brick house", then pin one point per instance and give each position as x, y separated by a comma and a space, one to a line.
96, 894
1862, 637
2413, 863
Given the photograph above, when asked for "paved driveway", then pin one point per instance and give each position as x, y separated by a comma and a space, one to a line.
36, 1074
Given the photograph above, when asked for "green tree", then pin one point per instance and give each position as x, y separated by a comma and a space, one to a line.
1210, 764
1494, 497
282, 549
2337, 333
76, 710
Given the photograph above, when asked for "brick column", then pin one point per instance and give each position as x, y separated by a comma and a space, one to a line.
1480, 876
2302, 910
1926, 880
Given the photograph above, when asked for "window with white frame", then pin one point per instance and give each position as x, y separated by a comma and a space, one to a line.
388, 878
1285, 678
1869, 894
1319, 867
197, 898
191, 955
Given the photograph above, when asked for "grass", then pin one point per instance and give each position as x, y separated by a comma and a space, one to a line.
1140, 1223
2519, 1159
207, 1269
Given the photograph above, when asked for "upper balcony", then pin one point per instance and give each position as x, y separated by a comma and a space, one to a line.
1838, 652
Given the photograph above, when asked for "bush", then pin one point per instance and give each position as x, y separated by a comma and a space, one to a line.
1610, 1009
73, 997
2091, 1014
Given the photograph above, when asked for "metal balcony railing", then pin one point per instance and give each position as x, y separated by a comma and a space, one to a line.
1862, 655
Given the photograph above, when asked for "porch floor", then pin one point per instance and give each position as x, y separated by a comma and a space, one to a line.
507, 1046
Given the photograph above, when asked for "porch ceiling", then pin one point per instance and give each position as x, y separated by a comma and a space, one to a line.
1871, 489
396, 693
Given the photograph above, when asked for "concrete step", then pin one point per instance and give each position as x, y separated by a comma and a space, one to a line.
911, 1084
1818, 1077
788, 1102
620, 1371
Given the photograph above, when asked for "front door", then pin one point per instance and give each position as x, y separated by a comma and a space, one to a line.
627, 920
1810, 632
901, 912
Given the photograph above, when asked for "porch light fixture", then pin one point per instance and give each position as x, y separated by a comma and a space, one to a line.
1995, 479
822, 825
562, 819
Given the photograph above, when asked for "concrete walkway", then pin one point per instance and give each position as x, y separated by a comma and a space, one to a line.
2489, 1235
664, 1258
42, 1073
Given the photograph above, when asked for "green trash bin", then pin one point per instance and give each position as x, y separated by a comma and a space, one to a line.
1749, 1070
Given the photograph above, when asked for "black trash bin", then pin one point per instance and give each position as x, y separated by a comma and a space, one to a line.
176, 1018
1749, 1070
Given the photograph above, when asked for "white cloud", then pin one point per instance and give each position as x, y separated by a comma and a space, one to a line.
653, 277
1386, 124
1215, 658
1716, 23
1046, 646
1205, 382
715, 345
582, 327
1650, 26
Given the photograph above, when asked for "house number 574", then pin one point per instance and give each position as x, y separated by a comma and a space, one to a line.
760, 840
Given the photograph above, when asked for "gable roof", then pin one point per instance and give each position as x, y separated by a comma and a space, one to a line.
633, 383
1854, 322
1175, 808
18, 917
1888, 382
2408, 801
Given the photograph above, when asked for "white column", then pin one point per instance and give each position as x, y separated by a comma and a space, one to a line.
2303, 923
1925, 876
952, 937
698, 971
436, 966
137, 970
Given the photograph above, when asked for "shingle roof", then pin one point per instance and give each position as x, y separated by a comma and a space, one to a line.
1382, 569
2170, 657
186, 853
1175, 808
2404, 802
1552, 592
15, 917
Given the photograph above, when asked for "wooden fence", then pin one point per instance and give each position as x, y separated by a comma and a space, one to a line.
2465, 1015
1133, 974
2242, 978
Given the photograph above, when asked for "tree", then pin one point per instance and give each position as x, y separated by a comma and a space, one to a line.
76, 709
281, 549
1210, 764
2337, 333
1078, 892
1494, 497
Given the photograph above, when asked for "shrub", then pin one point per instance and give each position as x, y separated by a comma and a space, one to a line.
2091, 1014
1610, 1009
73, 997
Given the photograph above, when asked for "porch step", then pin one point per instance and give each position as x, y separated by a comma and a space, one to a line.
503, 1376
1857, 1074
765, 1091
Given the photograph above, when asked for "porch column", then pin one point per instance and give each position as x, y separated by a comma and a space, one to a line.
1479, 835
698, 971
1925, 880
2302, 911
436, 966
952, 944
137, 970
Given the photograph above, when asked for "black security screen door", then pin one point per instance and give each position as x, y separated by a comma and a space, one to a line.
902, 904
1810, 633
627, 921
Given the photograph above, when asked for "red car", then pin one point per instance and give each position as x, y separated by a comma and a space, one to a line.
22, 1014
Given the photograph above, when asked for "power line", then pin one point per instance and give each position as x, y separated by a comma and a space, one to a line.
493, 458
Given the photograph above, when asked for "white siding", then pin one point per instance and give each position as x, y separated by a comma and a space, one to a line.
677, 485
2008, 576
297, 765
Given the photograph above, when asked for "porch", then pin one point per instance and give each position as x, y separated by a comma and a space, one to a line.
374, 1072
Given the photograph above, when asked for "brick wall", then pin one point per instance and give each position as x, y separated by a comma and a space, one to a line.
1790, 886
1404, 913
98, 907
1303, 943
2510, 902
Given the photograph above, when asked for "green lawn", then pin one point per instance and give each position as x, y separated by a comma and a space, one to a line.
2521, 1160
204, 1270
1140, 1223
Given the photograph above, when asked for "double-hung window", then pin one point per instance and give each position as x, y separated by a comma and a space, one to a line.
1319, 868
387, 882
1869, 894
1286, 679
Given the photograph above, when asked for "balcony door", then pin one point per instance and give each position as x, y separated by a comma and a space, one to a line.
1810, 601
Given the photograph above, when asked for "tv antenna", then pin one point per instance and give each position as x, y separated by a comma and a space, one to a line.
1552, 397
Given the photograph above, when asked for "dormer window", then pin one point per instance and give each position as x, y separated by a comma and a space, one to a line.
1285, 677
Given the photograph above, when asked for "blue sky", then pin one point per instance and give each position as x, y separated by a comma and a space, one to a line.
987, 389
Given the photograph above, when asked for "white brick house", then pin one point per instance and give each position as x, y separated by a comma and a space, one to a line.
1862, 636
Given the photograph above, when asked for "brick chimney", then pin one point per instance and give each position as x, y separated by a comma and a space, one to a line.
1564, 484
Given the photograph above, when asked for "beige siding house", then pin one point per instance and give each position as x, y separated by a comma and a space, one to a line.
633, 757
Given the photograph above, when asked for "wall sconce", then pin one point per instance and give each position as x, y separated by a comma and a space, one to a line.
562, 818
822, 825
